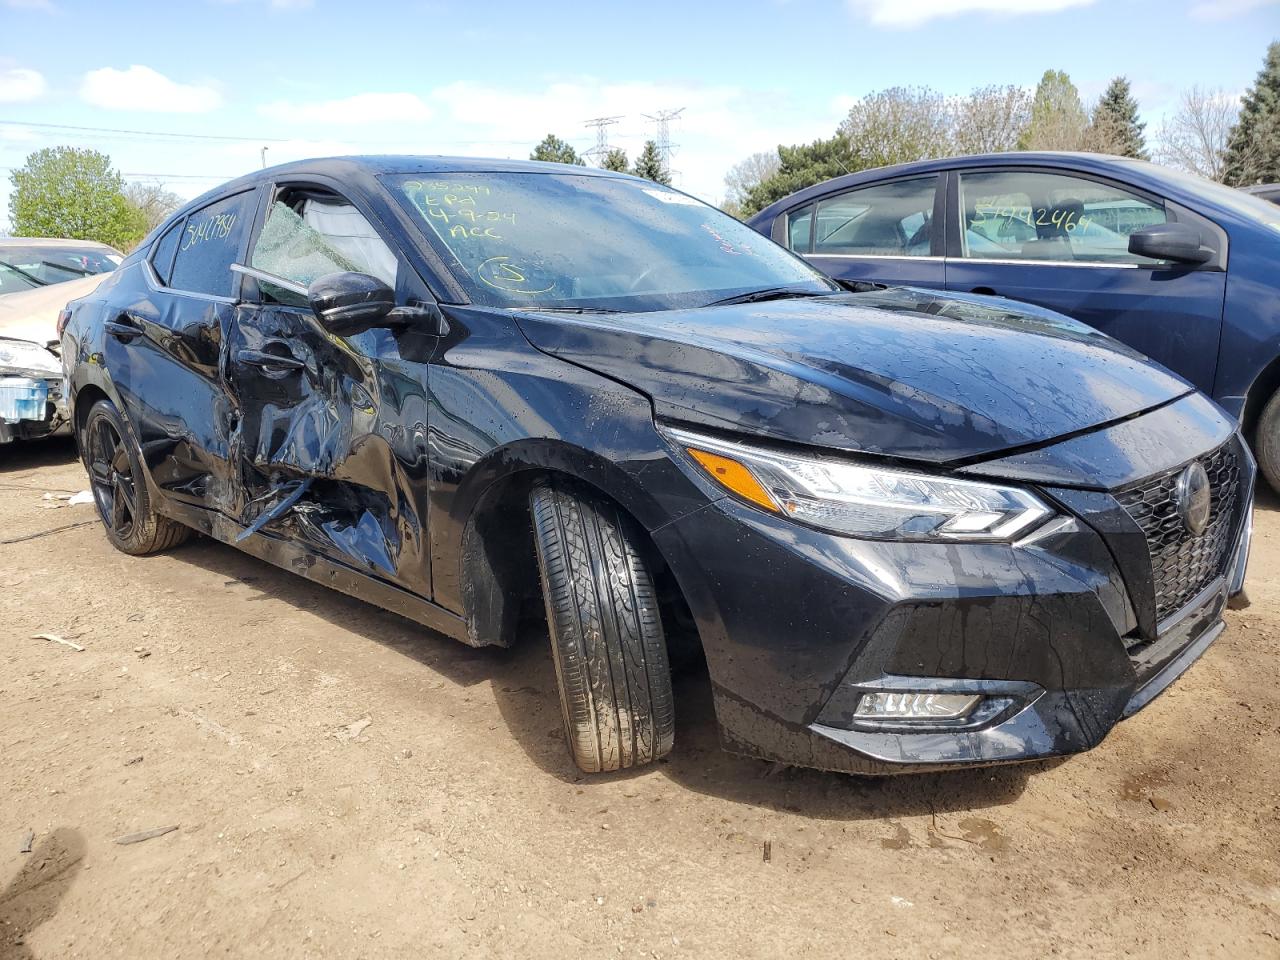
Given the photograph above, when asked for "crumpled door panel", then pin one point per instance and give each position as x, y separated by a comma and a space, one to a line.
315, 418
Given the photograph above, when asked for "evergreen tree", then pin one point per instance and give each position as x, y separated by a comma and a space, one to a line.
74, 193
1253, 152
1116, 124
555, 150
1058, 120
801, 166
616, 160
649, 165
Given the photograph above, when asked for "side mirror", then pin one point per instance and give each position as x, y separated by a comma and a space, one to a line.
350, 303
1179, 242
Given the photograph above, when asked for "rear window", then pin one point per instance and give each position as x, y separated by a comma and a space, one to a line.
209, 243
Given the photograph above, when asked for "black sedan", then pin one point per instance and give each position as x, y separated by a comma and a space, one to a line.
905, 529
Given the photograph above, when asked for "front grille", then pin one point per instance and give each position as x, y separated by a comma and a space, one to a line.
1182, 565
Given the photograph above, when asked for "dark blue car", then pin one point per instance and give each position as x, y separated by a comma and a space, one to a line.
1180, 268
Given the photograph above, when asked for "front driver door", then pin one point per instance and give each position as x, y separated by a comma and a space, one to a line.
1062, 241
332, 430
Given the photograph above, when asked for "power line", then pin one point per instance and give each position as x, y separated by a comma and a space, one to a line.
143, 133
229, 138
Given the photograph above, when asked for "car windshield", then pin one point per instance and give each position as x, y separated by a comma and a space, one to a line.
55, 264
583, 241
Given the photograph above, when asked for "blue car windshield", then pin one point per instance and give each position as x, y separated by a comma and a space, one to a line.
564, 240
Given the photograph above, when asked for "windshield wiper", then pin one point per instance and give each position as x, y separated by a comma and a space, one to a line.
771, 293
22, 273
569, 310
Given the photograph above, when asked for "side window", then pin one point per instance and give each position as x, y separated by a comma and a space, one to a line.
799, 223
308, 235
209, 244
1030, 215
887, 219
165, 248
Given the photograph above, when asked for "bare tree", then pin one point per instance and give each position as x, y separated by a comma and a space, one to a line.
152, 201
747, 174
1195, 137
898, 125
991, 119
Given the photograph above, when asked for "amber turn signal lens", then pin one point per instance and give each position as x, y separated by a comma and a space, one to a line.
734, 476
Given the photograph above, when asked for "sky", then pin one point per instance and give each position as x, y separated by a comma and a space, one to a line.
188, 94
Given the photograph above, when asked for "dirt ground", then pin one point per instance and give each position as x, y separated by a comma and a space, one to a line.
227, 698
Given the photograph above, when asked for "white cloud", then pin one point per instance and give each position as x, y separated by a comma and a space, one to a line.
19, 85
1226, 9
362, 108
912, 13
143, 89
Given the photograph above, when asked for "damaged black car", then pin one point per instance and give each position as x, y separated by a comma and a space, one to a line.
905, 529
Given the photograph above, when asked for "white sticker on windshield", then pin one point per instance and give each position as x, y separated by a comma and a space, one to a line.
670, 196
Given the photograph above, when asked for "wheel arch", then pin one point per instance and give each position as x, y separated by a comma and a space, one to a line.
1263, 388
498, 569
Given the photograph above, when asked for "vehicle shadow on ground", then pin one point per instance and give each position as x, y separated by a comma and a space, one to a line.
23, 455
32, 897
524, 686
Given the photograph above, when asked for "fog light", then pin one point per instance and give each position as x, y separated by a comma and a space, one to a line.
887, 705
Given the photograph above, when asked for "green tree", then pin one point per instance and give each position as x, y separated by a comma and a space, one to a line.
800, 166
649, 165
555, 150
1058, 120
73, 193
1115, 122
1253, 152
616, 160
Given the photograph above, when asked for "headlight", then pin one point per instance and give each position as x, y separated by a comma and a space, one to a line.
23, 356
862, 500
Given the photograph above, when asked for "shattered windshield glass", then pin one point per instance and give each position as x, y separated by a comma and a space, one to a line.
579, 240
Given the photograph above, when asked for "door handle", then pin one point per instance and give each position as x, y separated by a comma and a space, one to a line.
124, 328
271, 362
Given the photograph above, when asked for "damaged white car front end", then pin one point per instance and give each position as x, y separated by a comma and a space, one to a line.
32, 404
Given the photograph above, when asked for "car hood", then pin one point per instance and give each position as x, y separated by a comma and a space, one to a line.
904, 373
33, 314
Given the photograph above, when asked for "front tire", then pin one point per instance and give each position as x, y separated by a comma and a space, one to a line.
606, 631
1267, 442
119, 487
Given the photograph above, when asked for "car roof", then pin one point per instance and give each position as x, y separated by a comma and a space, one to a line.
346, 167
54, 242
1098, 162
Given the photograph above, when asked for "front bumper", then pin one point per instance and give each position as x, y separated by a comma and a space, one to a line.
798, 624
30, 407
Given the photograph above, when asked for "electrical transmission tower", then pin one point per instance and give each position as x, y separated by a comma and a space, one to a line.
663, 119
601, 149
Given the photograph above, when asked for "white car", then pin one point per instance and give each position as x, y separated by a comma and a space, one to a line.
32, 401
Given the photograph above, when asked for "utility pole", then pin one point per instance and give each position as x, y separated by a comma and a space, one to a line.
264, 157
601, 149
663, 119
